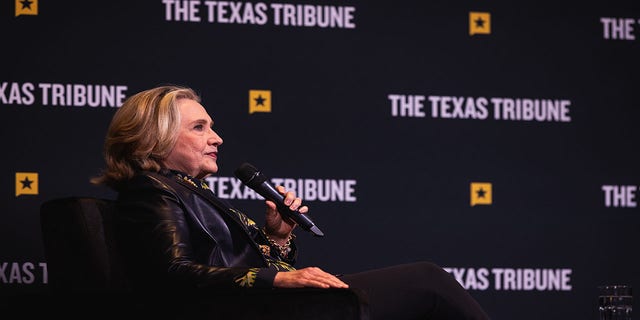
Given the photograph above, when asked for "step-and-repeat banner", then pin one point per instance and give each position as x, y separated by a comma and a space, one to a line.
498, 140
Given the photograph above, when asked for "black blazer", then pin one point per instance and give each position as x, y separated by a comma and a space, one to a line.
174, 234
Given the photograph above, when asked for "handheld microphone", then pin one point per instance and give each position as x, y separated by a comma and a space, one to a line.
252, 178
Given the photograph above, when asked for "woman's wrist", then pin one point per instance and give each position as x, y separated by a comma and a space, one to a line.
282, 244
279, 238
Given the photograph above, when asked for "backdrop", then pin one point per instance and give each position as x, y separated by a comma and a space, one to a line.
495, 139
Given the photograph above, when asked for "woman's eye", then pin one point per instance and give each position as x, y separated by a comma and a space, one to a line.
199, 127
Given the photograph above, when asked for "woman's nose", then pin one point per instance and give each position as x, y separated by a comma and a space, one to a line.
215, 138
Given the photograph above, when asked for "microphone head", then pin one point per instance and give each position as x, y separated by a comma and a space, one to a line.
249, 175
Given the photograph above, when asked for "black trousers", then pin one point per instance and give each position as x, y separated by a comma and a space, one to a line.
420, 290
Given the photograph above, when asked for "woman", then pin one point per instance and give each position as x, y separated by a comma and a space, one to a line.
176, 233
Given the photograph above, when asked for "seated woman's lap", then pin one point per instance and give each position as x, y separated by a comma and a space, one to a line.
420, 290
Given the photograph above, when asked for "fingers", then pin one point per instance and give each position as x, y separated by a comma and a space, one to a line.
315, 277
294, 203
308, 277
280, 225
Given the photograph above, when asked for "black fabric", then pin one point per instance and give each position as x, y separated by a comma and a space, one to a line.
162, 225
414, 291
87, 281
79, 245
268, 304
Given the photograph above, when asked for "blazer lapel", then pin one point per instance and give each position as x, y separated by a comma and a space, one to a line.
221, 205
224, 208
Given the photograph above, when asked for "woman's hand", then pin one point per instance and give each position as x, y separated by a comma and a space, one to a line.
276, 226
307, 277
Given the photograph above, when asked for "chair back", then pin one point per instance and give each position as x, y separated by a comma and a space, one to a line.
79, 245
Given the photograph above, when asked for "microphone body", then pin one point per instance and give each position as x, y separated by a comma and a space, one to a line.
252, 178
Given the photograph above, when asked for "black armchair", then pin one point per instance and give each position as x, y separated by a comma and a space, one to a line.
85, 271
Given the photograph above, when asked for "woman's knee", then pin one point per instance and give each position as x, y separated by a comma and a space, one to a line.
430, 267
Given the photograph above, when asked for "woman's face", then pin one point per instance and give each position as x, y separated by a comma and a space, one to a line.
196, 150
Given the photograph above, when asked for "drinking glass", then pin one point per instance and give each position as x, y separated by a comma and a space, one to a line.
615, 302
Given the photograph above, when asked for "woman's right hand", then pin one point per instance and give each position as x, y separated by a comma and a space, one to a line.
277, 226
307, 277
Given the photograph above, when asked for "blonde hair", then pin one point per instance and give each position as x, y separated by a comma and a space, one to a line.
142, 133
